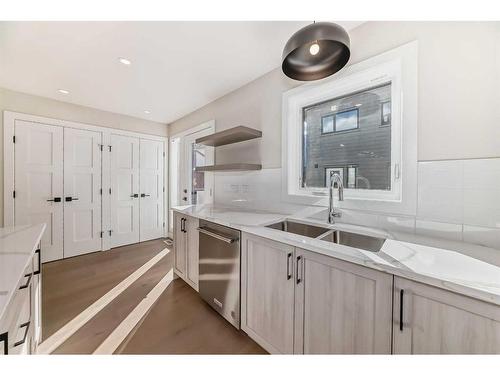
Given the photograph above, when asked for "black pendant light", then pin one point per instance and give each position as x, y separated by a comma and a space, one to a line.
316, 51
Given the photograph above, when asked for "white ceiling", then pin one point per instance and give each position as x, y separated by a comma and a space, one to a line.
176, 67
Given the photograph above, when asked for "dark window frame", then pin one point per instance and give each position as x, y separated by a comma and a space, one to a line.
382, 123
334, 118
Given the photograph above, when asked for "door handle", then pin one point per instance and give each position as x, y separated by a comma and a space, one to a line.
401, 296
288, 268
29, 276
55, 199
144, 195
26, 326
69, 199
38, 251
184, 199
134, 196
299, 261
4, 337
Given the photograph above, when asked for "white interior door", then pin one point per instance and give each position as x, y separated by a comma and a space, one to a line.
124, 190
82, 197
197, 187
151, 189
38, 154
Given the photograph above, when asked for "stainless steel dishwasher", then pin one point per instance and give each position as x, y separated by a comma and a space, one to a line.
219, 269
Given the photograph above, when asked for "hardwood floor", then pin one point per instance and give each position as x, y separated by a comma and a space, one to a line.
180, 322
71, 285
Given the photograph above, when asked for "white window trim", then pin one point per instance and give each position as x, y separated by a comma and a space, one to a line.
398, 66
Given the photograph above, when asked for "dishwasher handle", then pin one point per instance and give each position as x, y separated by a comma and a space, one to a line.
216, 235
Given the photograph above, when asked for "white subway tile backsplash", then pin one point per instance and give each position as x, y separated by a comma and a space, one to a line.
482, 192
489, 237
440, 230
440, 191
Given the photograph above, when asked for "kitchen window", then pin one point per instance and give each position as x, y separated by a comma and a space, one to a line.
352, 124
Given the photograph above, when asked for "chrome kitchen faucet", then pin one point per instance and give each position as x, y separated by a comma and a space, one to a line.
334, 178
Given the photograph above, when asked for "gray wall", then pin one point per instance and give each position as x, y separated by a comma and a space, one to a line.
458, 96
36, 105
367, 149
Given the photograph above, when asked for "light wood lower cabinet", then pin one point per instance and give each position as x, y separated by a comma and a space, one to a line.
186, 247
297, 301
20, 326
267, 293
436, 321
340, 307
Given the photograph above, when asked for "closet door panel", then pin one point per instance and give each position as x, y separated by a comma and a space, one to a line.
82, 198
151, 189
124, 175
38, 154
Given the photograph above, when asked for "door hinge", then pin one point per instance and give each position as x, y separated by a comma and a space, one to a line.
164, 189
110, 231
163, 224
14, 194
14, 139
163, 153
101, 147
109, 148
109, 190
101, 234
100, 191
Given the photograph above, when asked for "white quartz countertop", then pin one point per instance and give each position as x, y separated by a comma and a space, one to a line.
470, 270
17, 247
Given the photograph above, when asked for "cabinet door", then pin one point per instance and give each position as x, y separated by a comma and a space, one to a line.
180, 244
341, 308
151, 189
436, 321
192, 249
267, 295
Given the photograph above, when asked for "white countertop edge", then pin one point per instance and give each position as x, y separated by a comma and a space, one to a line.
344, 253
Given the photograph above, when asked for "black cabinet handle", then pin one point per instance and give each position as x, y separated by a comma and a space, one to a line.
144, 195
27, 281
134, 196
401, 296
4, 337
56, 200
26, 326
69, 199
183, 225
288, 272
299, 279
39, 253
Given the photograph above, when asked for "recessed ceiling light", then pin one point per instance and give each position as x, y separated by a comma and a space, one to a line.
62, 91
147, 112
124, 61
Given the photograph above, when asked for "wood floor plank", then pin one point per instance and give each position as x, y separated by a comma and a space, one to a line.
182, 323
71, 285
88, 338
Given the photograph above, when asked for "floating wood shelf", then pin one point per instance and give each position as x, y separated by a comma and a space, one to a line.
233, 135
229, 167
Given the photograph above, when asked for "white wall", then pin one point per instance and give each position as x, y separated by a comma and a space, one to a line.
35, 105
458, 119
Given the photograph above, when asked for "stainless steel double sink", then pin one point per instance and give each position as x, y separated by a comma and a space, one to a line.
356, 240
